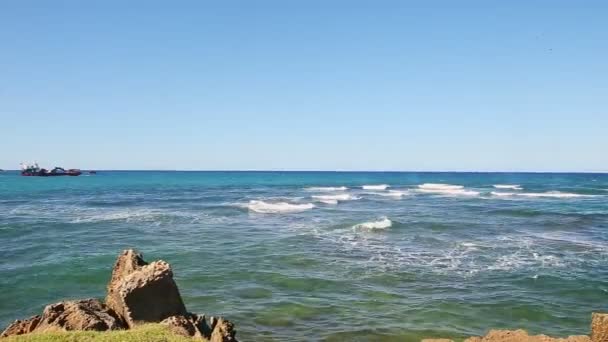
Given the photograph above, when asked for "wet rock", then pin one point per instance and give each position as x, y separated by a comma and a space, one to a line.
522, 336
20, 327
141, 292
599, 327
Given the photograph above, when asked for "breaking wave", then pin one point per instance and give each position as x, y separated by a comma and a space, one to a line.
375, 187
507, 186
382, 223
446, 189
392, 193
327, 188
277, 207
549, 194
339, 197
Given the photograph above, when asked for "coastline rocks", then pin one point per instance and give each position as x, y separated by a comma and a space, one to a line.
148, 294
20, 327
522, 336
86, 314
223, 330
192, 325
138, 292
599, 327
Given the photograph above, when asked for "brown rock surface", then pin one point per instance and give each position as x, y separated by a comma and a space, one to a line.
437, 340
192, 325
599, 327
86, 314
522, 336
222, 330
20, 327
141, 292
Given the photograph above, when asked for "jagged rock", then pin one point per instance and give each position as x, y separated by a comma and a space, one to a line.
190, 325
436, 340
141, 292
599, 327
20, 327
128, 262
222, 330
86, 314
522, 336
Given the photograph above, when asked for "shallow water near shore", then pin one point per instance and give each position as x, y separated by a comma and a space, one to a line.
322, 255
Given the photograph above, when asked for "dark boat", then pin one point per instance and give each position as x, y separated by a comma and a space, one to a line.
35, 170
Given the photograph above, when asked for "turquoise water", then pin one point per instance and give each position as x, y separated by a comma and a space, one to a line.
287, 262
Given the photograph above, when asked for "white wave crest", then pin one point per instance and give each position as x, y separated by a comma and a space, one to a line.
326, 188
507, 186
338, 197
446, 189
503, 194
436, 186
277, 207
392, 193
375, 187
550, 194
329, 201
382, 223
553, 194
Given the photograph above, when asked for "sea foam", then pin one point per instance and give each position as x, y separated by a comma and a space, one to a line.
326, 188
277, 207
338, 197
446, 189
549, 194
392, 193
375, 187
382, 223
507, 186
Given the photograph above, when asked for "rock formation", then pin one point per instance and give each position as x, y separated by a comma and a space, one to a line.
141, 292
599, 327
86, 314
138, 293
522, 336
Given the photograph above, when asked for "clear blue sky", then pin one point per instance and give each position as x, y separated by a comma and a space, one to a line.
326, 85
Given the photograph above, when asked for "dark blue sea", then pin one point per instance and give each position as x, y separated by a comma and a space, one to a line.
334, 256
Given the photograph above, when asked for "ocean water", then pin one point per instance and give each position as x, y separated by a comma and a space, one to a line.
330, 256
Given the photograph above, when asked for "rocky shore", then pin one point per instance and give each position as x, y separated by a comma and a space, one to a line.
141, 292
138, 293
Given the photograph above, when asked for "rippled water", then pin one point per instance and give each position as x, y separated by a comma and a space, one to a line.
286, 258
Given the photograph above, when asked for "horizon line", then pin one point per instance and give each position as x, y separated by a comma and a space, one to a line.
339, 171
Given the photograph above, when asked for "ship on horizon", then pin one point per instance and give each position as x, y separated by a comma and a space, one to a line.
34, 169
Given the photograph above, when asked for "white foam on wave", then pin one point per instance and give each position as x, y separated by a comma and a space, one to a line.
338, 197
507, 186
446, 189
277, 207
375, 187
329, 201
392, 193
502, 194
554, 194
549, 194
326, 188
437, 186
382, 223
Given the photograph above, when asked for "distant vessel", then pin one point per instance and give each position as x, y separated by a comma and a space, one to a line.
35, 170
